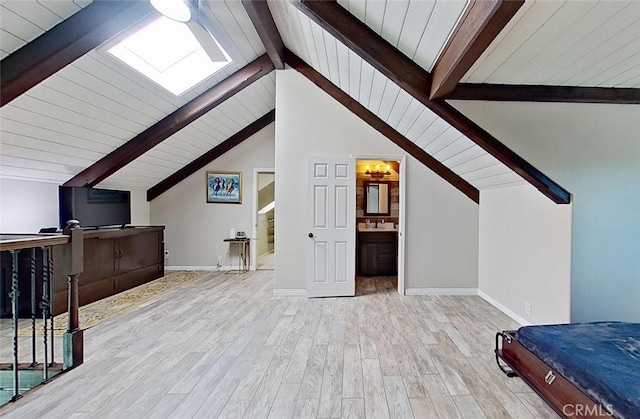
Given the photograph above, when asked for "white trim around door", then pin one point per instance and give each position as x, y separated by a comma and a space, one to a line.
402, 210
254, 219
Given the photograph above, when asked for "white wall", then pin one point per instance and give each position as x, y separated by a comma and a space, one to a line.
140, 208
442, 223
525, 254
194, 229
26, 207
592, 150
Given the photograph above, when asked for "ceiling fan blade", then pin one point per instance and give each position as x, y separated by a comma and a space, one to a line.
207, 41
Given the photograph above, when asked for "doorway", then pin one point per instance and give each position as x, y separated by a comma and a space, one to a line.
264, 246
380, 203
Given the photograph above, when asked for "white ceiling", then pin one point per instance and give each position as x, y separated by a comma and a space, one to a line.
383, 97
91, 107
21, 21
568, 43
419, 29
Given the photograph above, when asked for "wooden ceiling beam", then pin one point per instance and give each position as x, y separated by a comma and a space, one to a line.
382, 127
357, 36
172, 123
260, 15
481, 22
66, 42
217, 151
361, 39
531, 93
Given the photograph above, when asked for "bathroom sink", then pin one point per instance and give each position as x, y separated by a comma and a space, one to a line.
372, 228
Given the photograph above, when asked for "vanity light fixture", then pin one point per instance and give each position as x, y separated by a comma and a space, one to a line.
377, 174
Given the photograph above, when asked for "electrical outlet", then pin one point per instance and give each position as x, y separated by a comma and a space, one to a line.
527, 308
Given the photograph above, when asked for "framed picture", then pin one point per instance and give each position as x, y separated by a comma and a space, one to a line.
224, 187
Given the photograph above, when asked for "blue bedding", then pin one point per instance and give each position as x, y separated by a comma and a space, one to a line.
601, 359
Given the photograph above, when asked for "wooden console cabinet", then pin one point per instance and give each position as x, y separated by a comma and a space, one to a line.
377, 253
114, 261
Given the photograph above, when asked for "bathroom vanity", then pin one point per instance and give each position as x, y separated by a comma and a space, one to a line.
377, 251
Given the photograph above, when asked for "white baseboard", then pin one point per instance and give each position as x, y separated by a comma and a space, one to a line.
190, 268
204, 268
441, 291
503, 308
289, 292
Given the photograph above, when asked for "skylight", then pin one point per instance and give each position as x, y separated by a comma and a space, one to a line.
166, 52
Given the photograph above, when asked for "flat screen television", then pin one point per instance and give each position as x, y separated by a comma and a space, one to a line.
94, 207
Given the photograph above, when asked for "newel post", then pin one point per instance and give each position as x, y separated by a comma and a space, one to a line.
73, 265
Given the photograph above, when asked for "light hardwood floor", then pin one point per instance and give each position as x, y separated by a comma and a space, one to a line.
222, 346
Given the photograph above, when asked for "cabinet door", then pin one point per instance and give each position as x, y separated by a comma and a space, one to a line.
138, 251
368, 259
99, 260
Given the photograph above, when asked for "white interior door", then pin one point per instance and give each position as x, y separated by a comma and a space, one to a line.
331, 235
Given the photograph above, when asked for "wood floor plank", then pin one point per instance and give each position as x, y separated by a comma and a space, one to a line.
450, 375
410, 371
422, 408
397, 399
468, 407
375, 403
306, 409
267, 390
368, 347
352, 373
353, 408
191, 404
387, 358
330, 405
218, 399
248, 385
312, 378
422, 357
537, 406
440, 398
298, 361
234, 409
284, 404
164, 407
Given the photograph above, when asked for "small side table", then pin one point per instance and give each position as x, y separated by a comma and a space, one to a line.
245, 248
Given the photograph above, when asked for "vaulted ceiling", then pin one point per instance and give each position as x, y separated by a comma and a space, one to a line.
73, 125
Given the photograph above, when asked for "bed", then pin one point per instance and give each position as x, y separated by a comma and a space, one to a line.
582, 370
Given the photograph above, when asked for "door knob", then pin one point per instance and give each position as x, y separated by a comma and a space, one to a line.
311, 235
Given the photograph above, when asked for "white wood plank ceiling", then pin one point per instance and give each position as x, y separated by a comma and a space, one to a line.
198, 137
21, 21
382, 96
568, 43
96, 104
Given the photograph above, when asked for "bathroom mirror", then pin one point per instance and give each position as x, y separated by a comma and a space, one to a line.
377, 198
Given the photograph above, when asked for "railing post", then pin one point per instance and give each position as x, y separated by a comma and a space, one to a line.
14, 294
50, 275
72, 267
44, 306
34, 361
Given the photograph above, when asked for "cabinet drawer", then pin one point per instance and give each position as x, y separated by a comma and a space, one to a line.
386, 248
